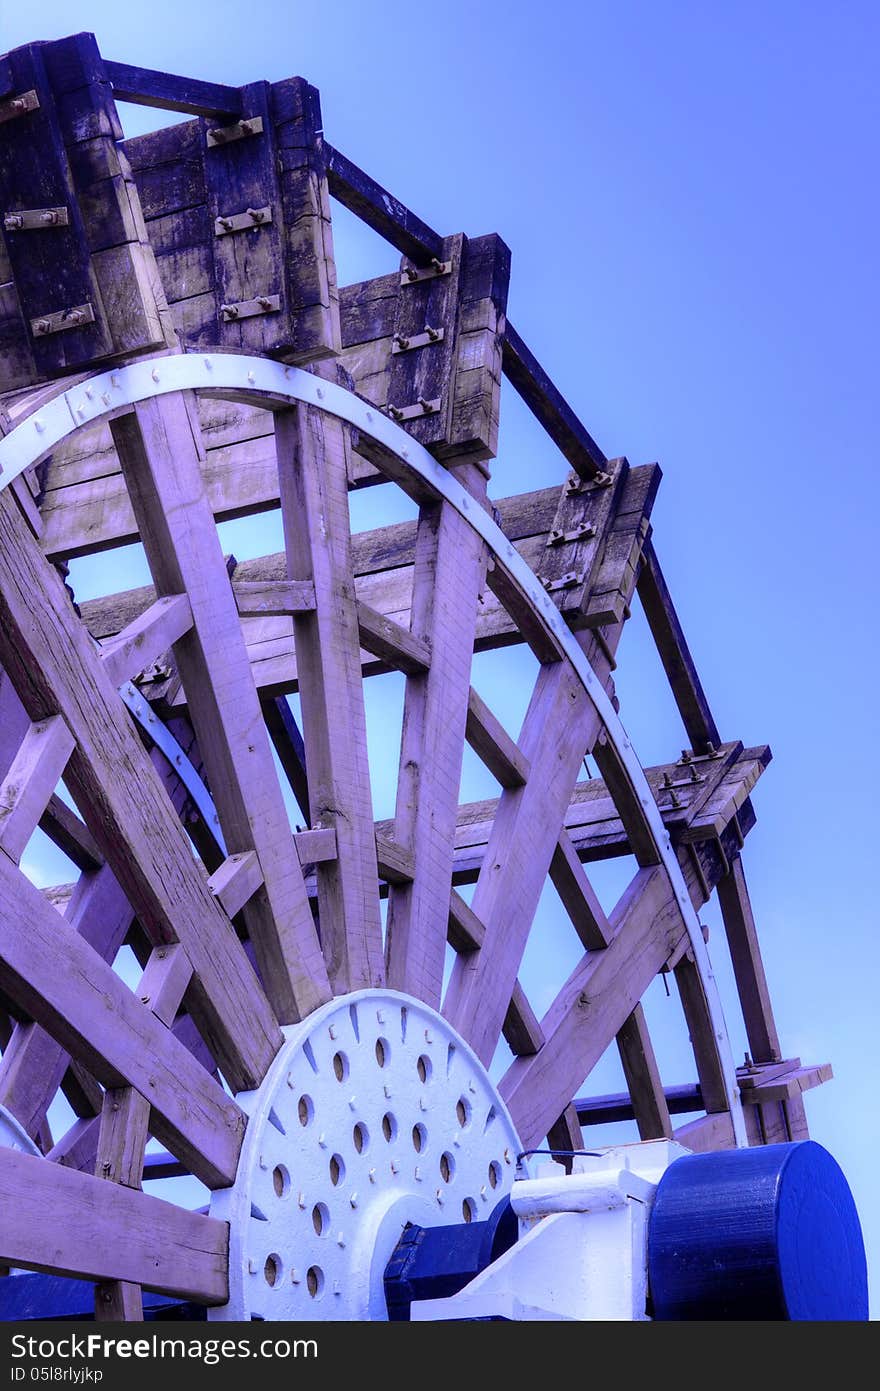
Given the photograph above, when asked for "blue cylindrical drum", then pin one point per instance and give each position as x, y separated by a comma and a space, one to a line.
764, 1233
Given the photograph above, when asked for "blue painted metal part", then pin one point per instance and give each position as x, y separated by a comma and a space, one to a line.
764, 1233
28, 1296
430, 1262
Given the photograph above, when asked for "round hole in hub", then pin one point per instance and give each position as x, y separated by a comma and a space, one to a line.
389, 1127
463, 1110
494, 1174
320, 1218
361, 1136
424, 1067
280, 1181
419, 1138
383, 1051
340, 1066
447, 1167
337, 1170
272, 1269
315, 1281
469, 1210
305, 1109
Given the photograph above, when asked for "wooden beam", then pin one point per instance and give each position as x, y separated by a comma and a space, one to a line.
289, 747
59, 980
607, 1110
559, 727
74, 1224
313, 480
464, 930
585, 912
32, 778
632, 813
185, 556
712, 1132
66, 830
147, 638
642, 1075
391, 642
236, 881
491, 741
375, 206
549, 407
522, 1028
34, 1063
675, 655
596, 1000
122, 1138
748, 964
255, 598
147, 87
449, 569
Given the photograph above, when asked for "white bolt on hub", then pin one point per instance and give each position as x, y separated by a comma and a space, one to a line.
324, 1189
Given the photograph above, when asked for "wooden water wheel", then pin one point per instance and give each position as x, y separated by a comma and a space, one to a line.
318, 1007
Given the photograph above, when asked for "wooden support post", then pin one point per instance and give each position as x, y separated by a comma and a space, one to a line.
314, 499
185, 556
121, 1142
449, 567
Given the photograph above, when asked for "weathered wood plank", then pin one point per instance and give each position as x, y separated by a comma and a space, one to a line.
748, 965
491, 741
375, 206
147, 87
522, 1028
450, 566
236, 881
312, 472
32, 778
395, 645
185, 557
33, 1063
593, 1005
74, 1224
578, 897
642, 1075
548, 406
559, 727
147, 638
675, 655
465, 932
50, 657
289, 747
58, 979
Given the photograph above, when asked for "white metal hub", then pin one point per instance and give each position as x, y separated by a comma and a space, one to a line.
374, 1114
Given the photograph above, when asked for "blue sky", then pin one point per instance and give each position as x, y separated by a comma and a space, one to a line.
689, 194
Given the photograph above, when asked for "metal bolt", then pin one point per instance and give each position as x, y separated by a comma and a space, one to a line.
294, 1275
256, 214
332, 1030
229, 311
439, 1196
145, 999
301, 1200
17, 104
155, 374
264, 301
49, 217
433, 333
401, 341
436, 264
12, 221
426, 405
340, 1240
411, 273
395, 1167
393, 411
353, 1200
417, 1174
372, 1176
41, 326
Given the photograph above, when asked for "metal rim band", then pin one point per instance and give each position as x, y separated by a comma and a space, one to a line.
254, 377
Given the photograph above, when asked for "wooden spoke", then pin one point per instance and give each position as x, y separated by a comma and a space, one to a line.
33, 774
558, 729
185, 556
51, 659
313, 481
594, 1004
74, 1224
449, 568
61, 981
